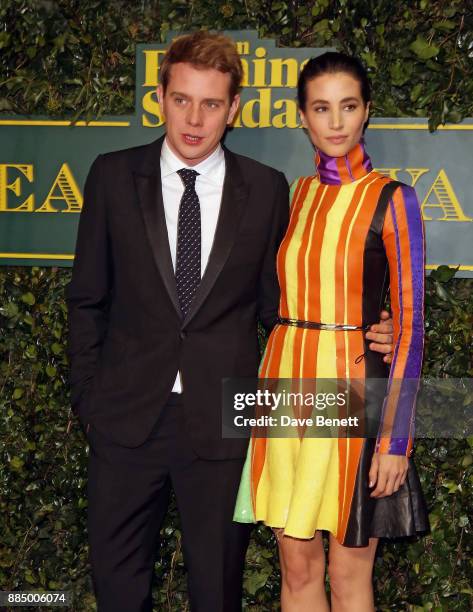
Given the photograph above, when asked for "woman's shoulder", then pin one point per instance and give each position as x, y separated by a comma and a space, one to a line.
301, 182
302, 179
385, 179
401, 190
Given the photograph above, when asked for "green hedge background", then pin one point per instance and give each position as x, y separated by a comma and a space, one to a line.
76, 58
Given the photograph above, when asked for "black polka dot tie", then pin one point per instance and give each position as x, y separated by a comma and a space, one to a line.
188, 241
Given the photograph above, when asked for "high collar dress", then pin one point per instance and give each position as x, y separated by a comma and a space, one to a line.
342, 251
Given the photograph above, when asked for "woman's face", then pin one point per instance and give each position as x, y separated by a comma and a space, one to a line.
334, 113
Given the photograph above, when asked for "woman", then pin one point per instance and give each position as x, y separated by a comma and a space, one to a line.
346, 237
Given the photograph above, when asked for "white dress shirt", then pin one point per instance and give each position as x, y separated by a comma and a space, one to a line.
209, 187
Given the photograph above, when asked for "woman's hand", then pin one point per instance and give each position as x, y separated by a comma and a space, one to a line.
387, 474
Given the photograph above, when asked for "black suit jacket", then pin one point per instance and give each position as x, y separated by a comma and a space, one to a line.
127, 339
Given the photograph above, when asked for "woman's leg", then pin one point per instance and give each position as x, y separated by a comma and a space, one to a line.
351, 576
303, 573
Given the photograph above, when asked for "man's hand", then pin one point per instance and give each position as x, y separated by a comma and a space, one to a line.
387, 474
381, 335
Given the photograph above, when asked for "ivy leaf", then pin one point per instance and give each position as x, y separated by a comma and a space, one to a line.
18, 393
29, 577
56, 348
16, 463
444, 273
51, 371
447, 24
28, 298
422, 48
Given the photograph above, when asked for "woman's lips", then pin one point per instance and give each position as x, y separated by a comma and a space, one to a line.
337, 139
192, 140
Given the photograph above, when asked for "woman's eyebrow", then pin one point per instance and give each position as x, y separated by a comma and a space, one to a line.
349, 99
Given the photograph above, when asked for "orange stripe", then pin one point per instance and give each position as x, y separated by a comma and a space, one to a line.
309, 369
282, 253
269, 369
355, 157
258, 457
297, 190
389, 239
343, 170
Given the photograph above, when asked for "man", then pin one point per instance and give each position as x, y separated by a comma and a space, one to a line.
175, 264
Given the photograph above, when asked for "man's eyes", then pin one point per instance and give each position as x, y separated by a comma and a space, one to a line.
208, 104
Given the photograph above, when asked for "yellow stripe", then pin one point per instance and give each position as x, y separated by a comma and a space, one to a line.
35, 256
52, 123
294, 246
418, 126
306, 272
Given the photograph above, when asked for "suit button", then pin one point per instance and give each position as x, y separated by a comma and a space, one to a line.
183, 335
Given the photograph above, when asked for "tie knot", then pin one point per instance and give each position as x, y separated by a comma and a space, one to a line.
188, 176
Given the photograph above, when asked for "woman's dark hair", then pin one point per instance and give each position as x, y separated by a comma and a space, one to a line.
331, 62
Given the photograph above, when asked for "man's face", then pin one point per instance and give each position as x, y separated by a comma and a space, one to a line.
197, 109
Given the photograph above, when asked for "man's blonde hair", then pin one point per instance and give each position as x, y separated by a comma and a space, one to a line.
204, 50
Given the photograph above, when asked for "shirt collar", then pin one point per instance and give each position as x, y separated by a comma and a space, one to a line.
213, 167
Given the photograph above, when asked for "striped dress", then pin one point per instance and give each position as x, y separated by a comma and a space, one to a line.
340, 252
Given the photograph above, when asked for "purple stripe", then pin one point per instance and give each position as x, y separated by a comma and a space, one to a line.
348, 165
399, 276
406, 407
416, 244
327, 169
367, 165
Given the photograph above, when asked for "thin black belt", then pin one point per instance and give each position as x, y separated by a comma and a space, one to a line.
323, 326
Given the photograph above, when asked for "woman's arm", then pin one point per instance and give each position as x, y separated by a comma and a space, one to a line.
403, 237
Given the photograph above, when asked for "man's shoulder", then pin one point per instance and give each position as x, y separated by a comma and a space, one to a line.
128, 155
254, 169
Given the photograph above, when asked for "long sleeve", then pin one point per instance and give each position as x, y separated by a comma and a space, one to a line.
403, 237
88, 293
269, 293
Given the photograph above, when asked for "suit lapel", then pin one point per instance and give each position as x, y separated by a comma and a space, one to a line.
234, 199
150, 196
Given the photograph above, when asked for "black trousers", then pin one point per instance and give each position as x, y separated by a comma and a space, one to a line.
128, 493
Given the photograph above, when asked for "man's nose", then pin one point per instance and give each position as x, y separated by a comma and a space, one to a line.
194, 116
